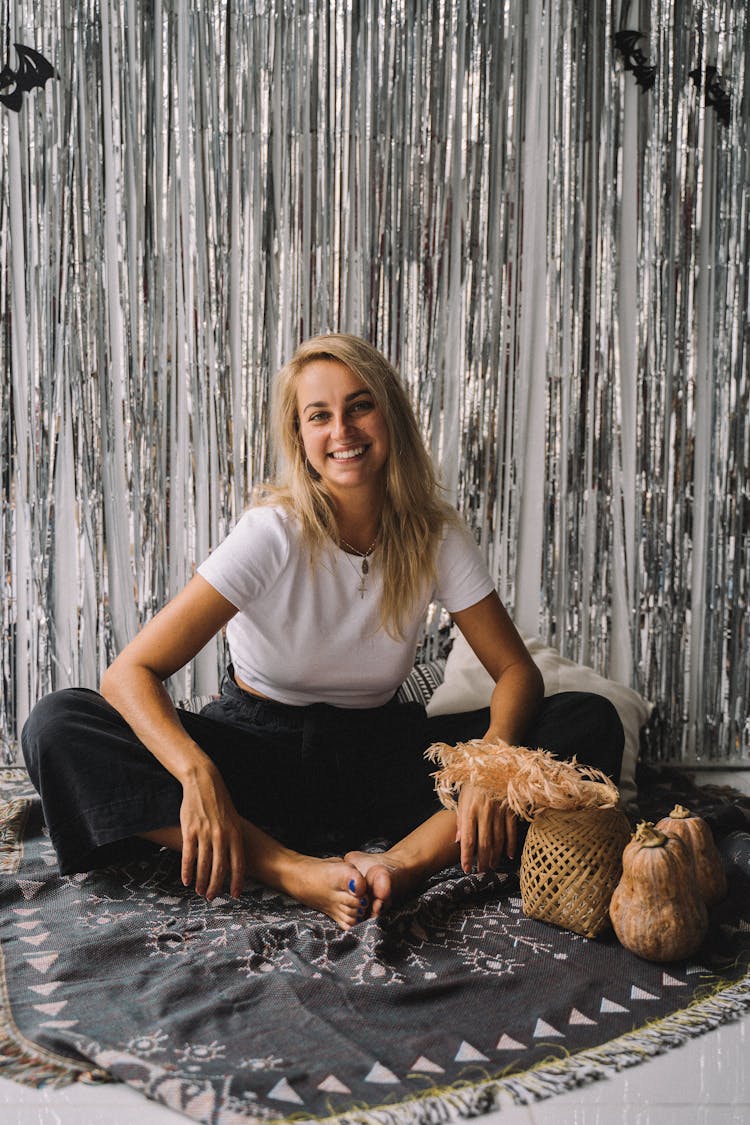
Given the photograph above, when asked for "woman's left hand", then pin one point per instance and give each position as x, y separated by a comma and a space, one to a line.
484, 830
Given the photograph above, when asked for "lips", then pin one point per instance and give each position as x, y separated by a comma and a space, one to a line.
348, 454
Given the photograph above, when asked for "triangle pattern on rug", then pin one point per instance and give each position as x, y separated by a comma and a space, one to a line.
641, 994
610, 1006
467, 1053
331, 1085
695, 969
29, 887
283, 1092
35, 939
28, 925
671, 982
58, 1023
577, 1017
505, 1043
25, 911
427, 1066
43, 961
543, 1029
45, 989
52, 1009
382, 1075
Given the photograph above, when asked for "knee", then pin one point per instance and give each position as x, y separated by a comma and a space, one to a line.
605, 735
581, 725
51, 719
605, 719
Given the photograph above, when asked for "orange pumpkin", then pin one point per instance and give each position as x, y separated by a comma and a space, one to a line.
709, 870
656, 910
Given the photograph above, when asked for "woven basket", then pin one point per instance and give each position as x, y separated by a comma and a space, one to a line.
570, 866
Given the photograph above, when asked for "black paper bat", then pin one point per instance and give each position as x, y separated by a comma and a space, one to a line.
33, 70
634, 59
716, 96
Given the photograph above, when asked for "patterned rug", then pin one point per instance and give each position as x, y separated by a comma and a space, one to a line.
259, 1009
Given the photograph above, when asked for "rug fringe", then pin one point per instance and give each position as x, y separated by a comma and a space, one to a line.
29, 1069
724, 1004
552, 1076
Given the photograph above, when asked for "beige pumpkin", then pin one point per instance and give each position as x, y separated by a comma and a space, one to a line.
709, 870
656, 910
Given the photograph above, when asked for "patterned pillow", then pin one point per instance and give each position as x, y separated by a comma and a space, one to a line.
421, 682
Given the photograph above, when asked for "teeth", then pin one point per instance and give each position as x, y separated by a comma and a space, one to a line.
347, 454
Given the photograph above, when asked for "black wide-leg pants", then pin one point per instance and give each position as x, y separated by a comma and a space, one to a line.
319, 778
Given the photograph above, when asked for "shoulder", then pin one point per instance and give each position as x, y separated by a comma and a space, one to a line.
270, 522
457, 539
257, 548
462, 574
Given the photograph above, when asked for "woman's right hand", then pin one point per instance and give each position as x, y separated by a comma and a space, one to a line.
211, 829
213, 845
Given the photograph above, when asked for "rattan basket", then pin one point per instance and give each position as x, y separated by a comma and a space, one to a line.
570, 866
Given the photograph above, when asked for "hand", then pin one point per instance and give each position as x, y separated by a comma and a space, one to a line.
212, 839
485, 829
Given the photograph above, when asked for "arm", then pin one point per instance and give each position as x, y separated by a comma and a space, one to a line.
133, 684
518, 691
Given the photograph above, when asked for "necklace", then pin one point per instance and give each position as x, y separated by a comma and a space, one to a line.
362, 589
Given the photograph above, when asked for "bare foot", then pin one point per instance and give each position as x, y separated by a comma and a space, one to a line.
335, 887
387, 878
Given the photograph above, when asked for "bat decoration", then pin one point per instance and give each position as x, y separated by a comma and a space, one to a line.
33, 70
716, 96
634, 59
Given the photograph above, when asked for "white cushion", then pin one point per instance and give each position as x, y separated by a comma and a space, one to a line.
468, 686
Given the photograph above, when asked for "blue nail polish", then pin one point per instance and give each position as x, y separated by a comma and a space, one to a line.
360, 914
352, 885
363, 901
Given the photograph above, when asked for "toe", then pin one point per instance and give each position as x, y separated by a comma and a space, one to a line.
381, 886
355, 884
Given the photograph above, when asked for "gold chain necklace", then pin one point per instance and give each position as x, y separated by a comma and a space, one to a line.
365, 565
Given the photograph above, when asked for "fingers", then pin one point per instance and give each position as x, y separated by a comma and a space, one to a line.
204, 866
208, 862
189, 852
213, 847
224, 859
468, 843
485, 831
490, 840
238, 866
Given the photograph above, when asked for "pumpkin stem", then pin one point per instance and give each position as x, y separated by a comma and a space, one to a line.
679, 812
648, 836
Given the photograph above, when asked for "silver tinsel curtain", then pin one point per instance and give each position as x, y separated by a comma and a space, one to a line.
553, 255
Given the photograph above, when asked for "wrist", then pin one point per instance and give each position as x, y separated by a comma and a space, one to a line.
195, 768
497, 739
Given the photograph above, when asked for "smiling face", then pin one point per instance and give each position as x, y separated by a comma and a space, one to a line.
343, 430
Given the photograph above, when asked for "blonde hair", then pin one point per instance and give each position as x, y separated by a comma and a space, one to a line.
414, 513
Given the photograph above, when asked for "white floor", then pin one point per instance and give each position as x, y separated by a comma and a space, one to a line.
704, 1082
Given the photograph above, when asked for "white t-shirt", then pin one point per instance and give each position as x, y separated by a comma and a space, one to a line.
306, 635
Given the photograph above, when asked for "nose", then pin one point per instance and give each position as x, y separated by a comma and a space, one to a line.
342, 425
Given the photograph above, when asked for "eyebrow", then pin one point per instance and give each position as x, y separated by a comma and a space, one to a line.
353, 395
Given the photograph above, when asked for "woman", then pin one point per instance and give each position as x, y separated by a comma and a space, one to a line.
322, 587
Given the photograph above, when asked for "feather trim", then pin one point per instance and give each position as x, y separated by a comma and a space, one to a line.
523, 780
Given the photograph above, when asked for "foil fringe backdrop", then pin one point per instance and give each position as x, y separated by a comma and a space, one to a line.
555, 261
